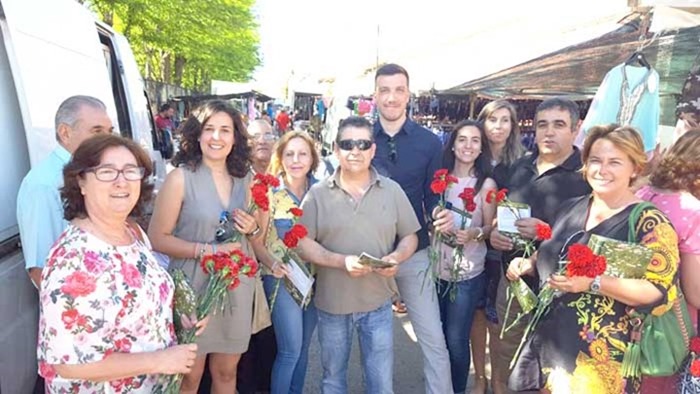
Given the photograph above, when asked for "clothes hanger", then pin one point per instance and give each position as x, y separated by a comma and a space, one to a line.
638, 58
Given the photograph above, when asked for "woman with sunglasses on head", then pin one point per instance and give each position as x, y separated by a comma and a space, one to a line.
462, 278
294, 161
211, 178
106, 321
674, 187
579, 345
500, 121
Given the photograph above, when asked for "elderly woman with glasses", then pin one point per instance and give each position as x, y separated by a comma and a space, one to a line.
579, 345
106, 319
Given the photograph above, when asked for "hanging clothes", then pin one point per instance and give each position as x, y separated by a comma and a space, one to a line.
628, 96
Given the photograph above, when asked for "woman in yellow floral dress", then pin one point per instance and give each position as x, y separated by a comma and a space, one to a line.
579, 345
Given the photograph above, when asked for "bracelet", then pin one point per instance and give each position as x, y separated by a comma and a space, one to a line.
196, 250
213, 248
202, 251
254, 232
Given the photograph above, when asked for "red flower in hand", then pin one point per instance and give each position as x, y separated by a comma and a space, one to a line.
441, 181
496, 196
544, 232
292, 237
467, 196
501, 195
695, 345
583, 262
298, 212
695, 368
438, 186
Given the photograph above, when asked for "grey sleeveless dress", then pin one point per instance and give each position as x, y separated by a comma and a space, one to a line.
228, 330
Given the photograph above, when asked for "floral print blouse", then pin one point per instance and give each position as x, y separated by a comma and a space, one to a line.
97, 299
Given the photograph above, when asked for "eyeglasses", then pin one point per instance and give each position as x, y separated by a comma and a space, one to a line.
264, 137
109, 174
350, 144
393, 155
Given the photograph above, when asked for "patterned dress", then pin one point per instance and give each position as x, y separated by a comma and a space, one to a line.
579, 345
98, 299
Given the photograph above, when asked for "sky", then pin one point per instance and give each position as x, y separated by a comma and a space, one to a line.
442, 41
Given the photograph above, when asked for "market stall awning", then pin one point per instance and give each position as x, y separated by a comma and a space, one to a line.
243, 95
577, 71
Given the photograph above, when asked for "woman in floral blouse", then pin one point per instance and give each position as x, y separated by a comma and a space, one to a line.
106, 305
579, 345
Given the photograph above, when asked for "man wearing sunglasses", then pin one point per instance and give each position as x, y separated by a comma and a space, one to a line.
410, 154
356, 211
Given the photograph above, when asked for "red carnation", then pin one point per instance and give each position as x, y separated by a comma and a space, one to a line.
440, 173
471, 207
501, 195
296, 212
491, 195
438, 186
695, 368
579, 253
544, 232
292, 237
695, 345
467, 196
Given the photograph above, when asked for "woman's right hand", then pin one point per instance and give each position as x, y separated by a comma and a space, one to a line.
228, 247
177, 359
518, 267
279, 269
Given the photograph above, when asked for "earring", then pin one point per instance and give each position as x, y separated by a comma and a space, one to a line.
453, 149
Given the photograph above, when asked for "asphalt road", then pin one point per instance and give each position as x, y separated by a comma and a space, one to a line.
408, 363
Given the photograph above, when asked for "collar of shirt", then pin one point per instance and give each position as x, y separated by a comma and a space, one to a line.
311, 180
572, 163
62, 154
408, 128
334, 181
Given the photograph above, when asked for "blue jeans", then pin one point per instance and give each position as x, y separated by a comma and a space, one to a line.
457, 317
376, 337
293, 329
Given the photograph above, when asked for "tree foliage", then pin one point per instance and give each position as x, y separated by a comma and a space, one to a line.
185, 42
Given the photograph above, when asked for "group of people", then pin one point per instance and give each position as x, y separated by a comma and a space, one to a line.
106, 302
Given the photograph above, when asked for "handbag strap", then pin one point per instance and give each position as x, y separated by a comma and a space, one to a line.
634, 218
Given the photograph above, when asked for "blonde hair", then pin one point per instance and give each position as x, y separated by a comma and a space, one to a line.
625, 138
513, 150
276, 167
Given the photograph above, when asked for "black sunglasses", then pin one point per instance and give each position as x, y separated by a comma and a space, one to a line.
350, 144
393, 155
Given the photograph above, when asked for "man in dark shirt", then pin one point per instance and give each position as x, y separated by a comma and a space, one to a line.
410, 154
543, 181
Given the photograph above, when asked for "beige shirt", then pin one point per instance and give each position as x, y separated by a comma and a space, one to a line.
373, 225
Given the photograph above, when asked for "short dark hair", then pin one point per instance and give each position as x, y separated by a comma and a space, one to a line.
190, 153
357, 122
391, 69
561, 103
164, 107
88, 155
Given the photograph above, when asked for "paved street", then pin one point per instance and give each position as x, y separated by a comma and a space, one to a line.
408, 363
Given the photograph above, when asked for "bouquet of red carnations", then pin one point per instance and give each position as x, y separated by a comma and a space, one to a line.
224, 270
286, 253
442, 180
581, 262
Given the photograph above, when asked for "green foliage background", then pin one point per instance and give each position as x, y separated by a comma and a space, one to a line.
187, 42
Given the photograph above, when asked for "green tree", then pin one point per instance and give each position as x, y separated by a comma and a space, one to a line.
184, 42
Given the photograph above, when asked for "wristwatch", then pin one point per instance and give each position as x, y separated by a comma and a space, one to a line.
595, 285
481, 236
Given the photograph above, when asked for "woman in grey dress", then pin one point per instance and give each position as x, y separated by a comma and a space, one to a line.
211, 177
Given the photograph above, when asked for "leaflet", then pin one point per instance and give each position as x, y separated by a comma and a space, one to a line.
300, 279
507, 214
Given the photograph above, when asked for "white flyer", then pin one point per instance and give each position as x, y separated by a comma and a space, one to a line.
507, 214
300, 279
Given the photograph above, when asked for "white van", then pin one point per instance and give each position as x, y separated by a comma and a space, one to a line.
49, 51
